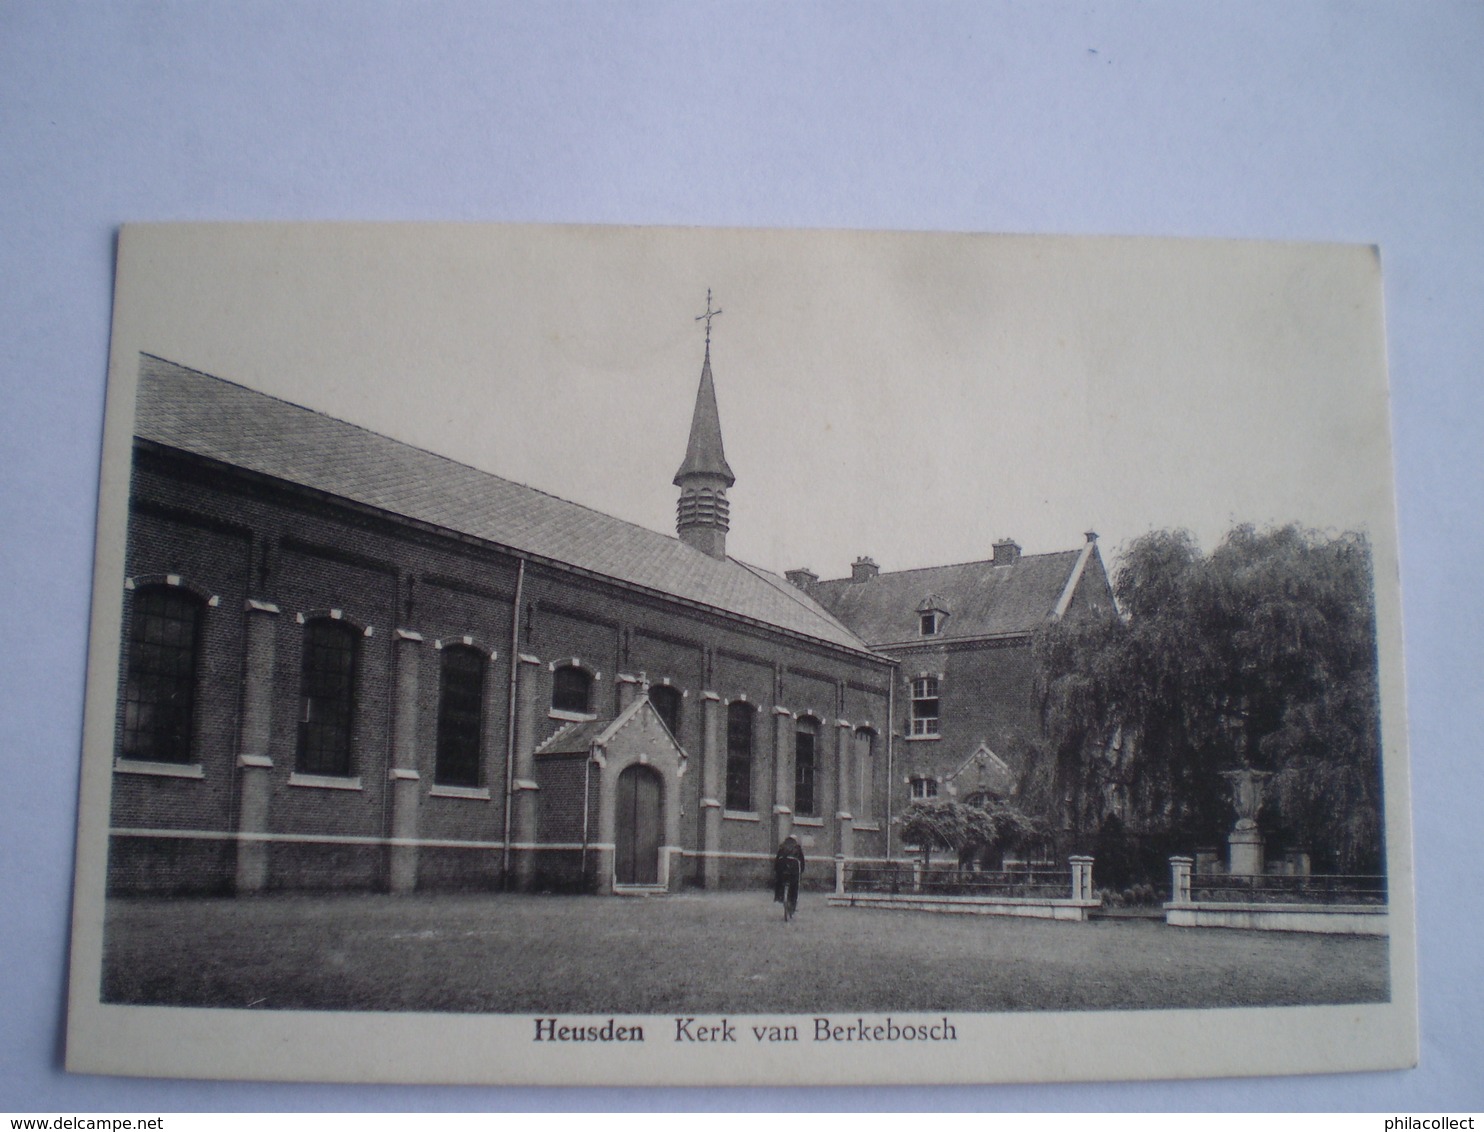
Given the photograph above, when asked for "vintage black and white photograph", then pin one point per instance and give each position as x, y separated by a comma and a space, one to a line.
533, 654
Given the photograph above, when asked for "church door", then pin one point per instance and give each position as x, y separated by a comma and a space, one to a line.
637, 826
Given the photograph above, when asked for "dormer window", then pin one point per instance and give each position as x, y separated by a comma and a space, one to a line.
932, 611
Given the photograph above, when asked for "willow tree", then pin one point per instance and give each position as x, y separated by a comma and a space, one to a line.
1261, 654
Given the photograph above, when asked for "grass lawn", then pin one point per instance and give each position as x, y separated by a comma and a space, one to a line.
701, 954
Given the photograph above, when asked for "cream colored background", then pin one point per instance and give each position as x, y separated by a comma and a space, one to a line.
912, 397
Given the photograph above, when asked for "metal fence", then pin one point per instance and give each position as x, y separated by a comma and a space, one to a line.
902, 878
1234, 888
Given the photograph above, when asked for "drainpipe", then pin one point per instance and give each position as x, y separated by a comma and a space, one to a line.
520, 580
891, 745
587, 775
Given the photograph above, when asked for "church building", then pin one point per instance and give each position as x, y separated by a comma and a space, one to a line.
348, 662
352, 663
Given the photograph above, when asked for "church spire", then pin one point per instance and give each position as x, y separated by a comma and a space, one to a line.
704, 455
702, 515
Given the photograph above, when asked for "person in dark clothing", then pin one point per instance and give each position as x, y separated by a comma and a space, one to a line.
788, 868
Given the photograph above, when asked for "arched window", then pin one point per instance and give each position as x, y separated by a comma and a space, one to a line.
327, 697
572, 690
865, 750
666, 701
806, 745
739, 756
160, 686
460, 717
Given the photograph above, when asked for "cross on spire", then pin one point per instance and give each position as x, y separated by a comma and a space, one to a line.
708, 316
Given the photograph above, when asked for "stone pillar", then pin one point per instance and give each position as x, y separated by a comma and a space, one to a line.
403, 771
1245, 852
839, 874
844, 817
605, 848
713, 785
254, 742
1180, 880
628, 687
1245, 842
783, 774
523, 829
670, 807
1081, 878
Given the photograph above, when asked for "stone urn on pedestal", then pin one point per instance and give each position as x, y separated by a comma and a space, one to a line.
1244, 843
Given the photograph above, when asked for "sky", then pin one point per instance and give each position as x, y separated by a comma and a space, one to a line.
908, 396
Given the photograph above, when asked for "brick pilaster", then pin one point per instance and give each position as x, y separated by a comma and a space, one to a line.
254, 756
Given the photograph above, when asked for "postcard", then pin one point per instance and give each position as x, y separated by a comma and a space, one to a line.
601, 655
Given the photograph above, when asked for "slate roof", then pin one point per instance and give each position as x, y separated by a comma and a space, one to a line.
575, 738
578, 738
194, 412
982, 599
704, 454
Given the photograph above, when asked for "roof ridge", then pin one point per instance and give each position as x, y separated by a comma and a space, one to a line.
793, 593
953, 565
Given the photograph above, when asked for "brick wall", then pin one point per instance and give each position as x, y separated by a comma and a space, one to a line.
986, 694
230, 536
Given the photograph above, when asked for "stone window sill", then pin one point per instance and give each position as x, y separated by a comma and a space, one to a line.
922, 738
812, 823
740, 815
571, 716
160, 770
474, 793
324, 781
866, 827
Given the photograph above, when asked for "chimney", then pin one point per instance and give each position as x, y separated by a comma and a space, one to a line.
1006, 552
803, 577
863, 570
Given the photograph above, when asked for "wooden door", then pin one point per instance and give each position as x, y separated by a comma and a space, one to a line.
637, 826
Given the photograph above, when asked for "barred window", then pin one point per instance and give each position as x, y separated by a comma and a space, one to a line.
925, 706
666, 701
327, 697
739, 756
160, 685
572, 690
460, 717
805, 744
